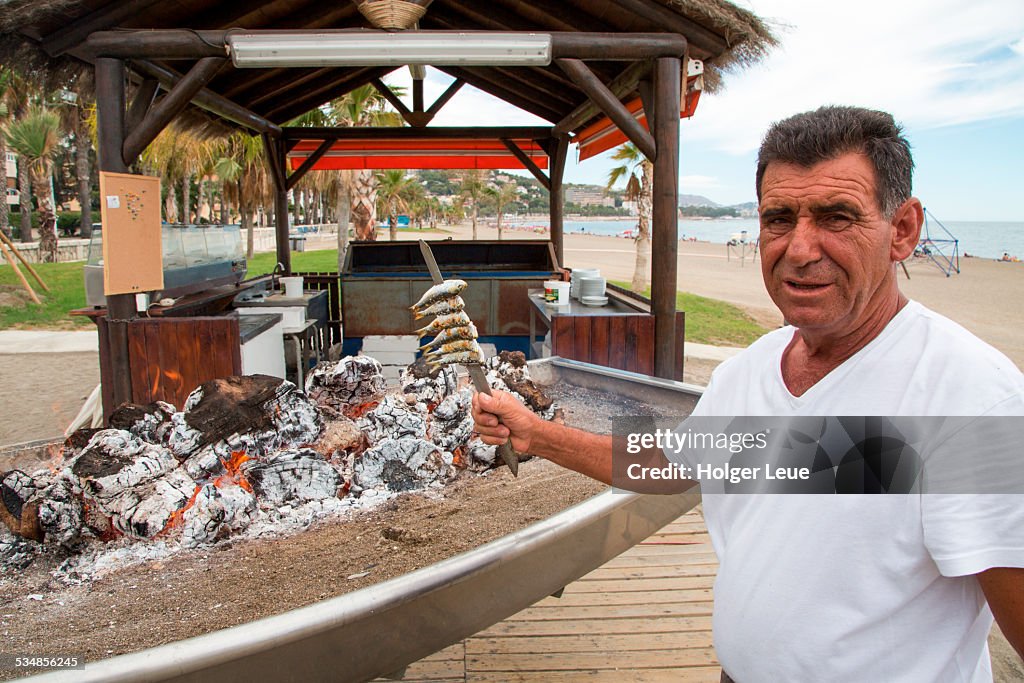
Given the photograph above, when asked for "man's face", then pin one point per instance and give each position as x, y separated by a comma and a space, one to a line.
826, 248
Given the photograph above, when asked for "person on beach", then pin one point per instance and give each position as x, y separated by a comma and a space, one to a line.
842, 587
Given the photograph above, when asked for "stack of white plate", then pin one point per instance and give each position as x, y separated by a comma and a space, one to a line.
574, 281
592, 290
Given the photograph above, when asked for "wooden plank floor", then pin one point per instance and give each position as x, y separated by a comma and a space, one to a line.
644, 616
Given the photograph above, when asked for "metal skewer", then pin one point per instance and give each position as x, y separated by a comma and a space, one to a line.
476, 373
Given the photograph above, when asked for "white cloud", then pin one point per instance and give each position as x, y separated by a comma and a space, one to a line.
929, 62
698, 182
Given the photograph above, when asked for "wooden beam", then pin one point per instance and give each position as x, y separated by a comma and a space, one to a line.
564, 94
287, 79
535, 15
110, 14
665, 214
417, 94
170, 106
404, 133
645, 86
617, 46
143, 100
447, 95
389, 95
326, 91
110, 113
610, 104
210, 101
620, 86
307, 164
526, 161
159, 44
657, 14
274, 148
511, 96
558, 154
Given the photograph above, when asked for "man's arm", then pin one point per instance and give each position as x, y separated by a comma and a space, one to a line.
1004, 590
500, 415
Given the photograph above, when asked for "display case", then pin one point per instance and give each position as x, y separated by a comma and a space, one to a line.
195, 257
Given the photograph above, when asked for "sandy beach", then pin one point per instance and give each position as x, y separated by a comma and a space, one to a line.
986, 297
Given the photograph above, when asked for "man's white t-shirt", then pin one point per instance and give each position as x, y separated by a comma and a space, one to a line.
863, 587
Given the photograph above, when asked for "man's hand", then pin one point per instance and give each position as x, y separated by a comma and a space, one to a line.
500, 415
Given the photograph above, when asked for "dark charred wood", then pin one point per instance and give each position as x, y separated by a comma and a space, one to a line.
170, 106
610, 104
665, 214
111, 14
209, 101
234, 405
534, 103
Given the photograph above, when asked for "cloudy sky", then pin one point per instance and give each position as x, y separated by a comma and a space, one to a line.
952, 72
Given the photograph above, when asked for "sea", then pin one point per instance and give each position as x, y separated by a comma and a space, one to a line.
986, 239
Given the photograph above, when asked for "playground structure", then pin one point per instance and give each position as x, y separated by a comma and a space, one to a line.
943, 252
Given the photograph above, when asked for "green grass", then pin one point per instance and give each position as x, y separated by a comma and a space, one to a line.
67, 291
710, 321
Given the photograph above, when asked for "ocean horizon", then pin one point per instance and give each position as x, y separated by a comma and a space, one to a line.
985, 239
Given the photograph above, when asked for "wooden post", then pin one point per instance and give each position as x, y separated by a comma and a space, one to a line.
110, 114
559, 151
665, 213
276, 158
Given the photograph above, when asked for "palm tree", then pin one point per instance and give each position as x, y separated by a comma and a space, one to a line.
35, 137
639, 184
6, 86
502, 196
243, 172
392, 187
473, 190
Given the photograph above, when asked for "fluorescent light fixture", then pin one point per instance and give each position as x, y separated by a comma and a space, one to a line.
433, 48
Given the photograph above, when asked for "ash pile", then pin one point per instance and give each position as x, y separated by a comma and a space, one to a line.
248, 456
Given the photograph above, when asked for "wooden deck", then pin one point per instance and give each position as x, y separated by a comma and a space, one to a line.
644, 616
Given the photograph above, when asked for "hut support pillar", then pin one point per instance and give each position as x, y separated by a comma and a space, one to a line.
110, 124
559, 150
665, 213
276, 156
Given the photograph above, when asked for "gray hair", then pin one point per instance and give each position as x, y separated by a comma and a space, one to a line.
829, 132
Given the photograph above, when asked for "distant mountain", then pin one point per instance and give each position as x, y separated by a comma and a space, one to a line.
696, 200
746, 206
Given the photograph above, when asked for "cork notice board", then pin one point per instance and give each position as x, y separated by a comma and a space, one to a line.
132, 252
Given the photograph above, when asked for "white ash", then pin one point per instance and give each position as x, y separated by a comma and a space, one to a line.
428, 388
144, 510
15, 552
339, 386
193, 399
403, 465
480, 456
116, 461
216, 513
150, 423
296, 419
452, 423
393, 418
181, 439
60, 514
21, 486
204, 463
292, 475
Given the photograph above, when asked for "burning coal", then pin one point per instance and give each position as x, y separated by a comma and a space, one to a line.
247, 456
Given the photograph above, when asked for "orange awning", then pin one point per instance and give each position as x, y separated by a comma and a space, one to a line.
603, 134
438, 153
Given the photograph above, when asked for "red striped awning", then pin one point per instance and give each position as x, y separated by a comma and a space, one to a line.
439, 153
603, 134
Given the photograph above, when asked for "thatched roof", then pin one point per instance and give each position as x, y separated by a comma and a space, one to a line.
47, 37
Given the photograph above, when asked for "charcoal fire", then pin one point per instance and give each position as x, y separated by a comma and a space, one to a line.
347, 386
246, 456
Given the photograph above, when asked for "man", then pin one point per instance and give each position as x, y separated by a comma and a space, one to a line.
843, 587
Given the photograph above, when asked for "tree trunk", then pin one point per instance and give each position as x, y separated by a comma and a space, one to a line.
296, 203
393, 226
224, 212
344, 213
499, 223
5, 208
171, 205
47, 219
82, 167
643, 242
25, 200
364, 206
186, 199
247, 225
474, 220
